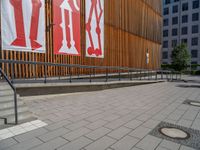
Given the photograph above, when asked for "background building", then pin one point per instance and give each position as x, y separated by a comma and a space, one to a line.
132, 27
181, 24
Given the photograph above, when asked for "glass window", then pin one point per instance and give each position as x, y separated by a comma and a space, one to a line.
185, 19
165, 55
175, 9
174, 32
195, 29
195, 41
195, 17
185, 41
195, 4
165, 33
184, 6
166, 11
175, 20
165, 44
167, 1
194, 63
174, 43
165, 22
184, 30
194, 53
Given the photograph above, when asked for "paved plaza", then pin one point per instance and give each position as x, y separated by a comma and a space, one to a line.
116, 119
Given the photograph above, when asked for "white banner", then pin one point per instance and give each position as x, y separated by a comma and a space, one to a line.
95, 28
23, 25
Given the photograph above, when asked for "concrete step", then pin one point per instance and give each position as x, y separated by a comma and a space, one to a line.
22, 117
4, 87
10, 111
8, 98
6, 92
1, 122
8, 104
7, 107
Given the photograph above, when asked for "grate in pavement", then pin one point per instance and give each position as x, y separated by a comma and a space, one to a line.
192, 103
186, 136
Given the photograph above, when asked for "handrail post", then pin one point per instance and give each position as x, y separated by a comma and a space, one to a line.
35, 76
78, 72
16, 109
119, 74
171, 76
12, 73
70, 75
45, 74
106, 74
94, 72
167, 76
59, 73
156, 75
90, 74
140, 74
131, 78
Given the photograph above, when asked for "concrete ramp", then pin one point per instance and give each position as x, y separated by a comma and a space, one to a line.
35, 89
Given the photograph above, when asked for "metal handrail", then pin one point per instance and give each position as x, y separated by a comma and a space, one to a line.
78, 66
68, 65
119, 68
15, 95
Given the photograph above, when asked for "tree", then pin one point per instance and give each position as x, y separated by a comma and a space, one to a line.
180, 57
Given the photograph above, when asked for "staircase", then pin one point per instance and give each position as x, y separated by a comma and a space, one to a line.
7, 107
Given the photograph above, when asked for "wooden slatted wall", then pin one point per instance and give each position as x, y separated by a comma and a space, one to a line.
131, 27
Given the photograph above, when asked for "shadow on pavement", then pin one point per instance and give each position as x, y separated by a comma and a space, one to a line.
188, 86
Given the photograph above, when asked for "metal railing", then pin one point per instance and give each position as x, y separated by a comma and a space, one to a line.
15, 96
119, 72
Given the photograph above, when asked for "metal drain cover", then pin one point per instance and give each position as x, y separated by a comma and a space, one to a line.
192, 103
195, 104
177, 134
174, 133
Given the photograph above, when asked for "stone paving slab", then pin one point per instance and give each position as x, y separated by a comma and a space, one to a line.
115, 119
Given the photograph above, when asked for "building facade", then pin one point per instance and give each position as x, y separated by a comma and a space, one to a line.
181, 24
132, 28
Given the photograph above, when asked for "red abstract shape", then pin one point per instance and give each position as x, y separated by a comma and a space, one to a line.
91, 50
19, 22
67, 29
58, 31
35, 23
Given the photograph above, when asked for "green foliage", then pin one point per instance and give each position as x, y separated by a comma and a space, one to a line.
170, 66
180, 57
166, 66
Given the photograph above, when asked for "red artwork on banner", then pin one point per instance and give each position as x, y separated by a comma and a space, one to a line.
94, 28
18, 11
22, 23
66, 32
21, 39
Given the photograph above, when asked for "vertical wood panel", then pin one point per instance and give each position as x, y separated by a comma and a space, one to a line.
131, 27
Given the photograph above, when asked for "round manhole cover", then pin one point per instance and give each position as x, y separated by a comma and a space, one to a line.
174, 133
195, 104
